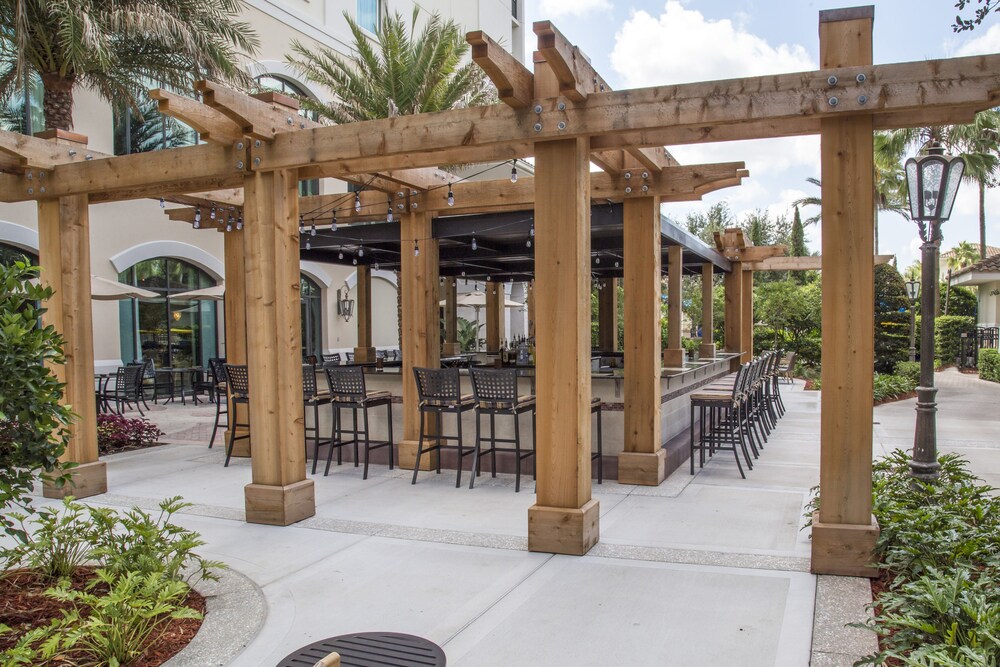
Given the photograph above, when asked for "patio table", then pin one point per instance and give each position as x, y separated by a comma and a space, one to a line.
362, 649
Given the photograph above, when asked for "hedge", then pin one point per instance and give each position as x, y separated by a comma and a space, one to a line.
989, 365
948, 330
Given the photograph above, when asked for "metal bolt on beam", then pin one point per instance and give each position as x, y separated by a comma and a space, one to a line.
834, 101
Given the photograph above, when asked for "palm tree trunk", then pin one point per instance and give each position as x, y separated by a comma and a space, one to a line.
876, 227
982, 219
57, 104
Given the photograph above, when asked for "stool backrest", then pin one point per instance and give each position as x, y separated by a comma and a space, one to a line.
438, 384
308, 380
494, 386
332, 358
238, 379
346, 383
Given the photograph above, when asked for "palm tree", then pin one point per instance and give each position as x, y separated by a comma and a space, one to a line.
912, 272
811, 201
978, 143
401, 74
963, 255
116, 48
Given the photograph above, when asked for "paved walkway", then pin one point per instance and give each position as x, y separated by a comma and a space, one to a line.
702, 570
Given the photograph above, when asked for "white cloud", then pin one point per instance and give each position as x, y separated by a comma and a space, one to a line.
988, 42
681, 46
559, 8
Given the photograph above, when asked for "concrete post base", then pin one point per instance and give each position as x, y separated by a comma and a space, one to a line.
707, 351
844, 549
562, 530
645, 468
85, 480
280, 505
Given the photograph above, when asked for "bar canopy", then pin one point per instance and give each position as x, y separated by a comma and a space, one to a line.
499, 246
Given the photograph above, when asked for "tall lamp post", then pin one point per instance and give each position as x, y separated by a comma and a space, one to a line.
913, 293
932, 182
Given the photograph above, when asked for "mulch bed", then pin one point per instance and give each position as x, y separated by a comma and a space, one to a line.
24, 606
880, 585
105, 450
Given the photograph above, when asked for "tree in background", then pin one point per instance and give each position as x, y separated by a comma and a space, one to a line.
892, 319
716, 219
116, 48
797, 245
792, 317
912, 272
984, 7
403, 73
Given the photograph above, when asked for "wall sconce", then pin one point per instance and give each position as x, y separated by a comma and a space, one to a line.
345, 305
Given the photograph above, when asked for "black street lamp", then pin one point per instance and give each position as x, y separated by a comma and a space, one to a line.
932, 182
913, 293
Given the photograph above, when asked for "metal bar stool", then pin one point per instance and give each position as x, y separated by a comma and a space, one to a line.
348, 390
238, 382
495, 393
720, 414
313, 398
221, 396
595, 407
439, 390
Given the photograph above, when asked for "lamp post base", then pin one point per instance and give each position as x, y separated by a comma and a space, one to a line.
924, 465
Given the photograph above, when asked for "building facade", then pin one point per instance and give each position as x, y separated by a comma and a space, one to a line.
134, 242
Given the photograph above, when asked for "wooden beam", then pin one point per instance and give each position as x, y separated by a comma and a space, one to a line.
755, 253
611, 161
673, 356
573, 71
810, 263
235, 322
364, 351
494, 317
210, 123
64, 255
607, 317
707, 349
30, 153
451, 345
260, 119
844, 531
746, 317
643, 460
279, 494
514, 82
733, 283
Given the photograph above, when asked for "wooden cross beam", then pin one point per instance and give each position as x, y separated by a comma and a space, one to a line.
811, 263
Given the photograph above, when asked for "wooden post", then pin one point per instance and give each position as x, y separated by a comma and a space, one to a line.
734, 312
707, 350
235, 308
494, 316
421, 344
451, 345
673, 356
643, 460
844, 531
530, 296
564, 518
746, 337
607, 316
64, 255
280, 494
365, 351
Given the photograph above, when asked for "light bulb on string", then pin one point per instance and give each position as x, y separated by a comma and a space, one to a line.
451, 196
312, 230
361, 251
416, 249
357, 202
239, 222
388, 215
375, 266
308, 244
229, 224
475, 246
340, 255
597, 260
212, 214
354, 261
333, 222
163, 204
302, 224
513, 172
617, 263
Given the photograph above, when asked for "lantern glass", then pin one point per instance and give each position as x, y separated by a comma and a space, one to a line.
912, 186
913, 289
954, 179
931, 182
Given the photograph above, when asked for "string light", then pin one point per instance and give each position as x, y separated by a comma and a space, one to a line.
375, 266
416, 249
354, 261
357, 202
229, 223
333, 222
302, 223
513, 172
239, 221
312, 230
197, 218
212, 214
361, 251
451, 196
163, 204
475, 245
308, 244
340, 255
598, 260
388, 216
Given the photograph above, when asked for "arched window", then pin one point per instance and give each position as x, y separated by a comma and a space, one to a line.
11, 253
148, 130
175, 332
312, 316
22, 111
280, 84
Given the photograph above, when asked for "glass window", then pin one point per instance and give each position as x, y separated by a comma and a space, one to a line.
22, 111
312, 317
174, 332
10, 254
148, 130
280, 84
368, 13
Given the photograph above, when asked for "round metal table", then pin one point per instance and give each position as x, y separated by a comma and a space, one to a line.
366, 648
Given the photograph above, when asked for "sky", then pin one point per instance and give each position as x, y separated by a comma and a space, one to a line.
641, 43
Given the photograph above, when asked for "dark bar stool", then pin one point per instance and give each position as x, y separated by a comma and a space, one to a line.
439, 390
331, 359
348, 390
238, 383
221, 396
595, 407
495, 393
721, 416
313, 398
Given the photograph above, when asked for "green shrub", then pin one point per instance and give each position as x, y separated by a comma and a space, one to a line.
33, 422
908, 369
948, 332
989, 365
887, 387
892, 318
55, 545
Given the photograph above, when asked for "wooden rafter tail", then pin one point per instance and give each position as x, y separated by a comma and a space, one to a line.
210, 123
577, 77
21, 151
258, 118
610, 161
514, 82
809, 263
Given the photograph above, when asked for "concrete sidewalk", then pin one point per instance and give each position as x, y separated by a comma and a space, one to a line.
702, 570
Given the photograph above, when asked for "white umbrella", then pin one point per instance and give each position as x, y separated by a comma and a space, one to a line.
213, 293
102, 289
477, 299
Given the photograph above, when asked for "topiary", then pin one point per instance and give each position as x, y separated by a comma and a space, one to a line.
892, 319
989, 365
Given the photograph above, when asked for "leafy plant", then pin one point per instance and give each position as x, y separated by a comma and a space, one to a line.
989, 365
887, 387
910, 370
892, 319
116, 432
948, 330
33, 422
55, 544
468, 334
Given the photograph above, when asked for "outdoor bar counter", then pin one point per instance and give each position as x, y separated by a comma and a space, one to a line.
676, 384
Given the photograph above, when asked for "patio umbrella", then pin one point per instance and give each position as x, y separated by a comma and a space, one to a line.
477, 299
102, 289
213, 293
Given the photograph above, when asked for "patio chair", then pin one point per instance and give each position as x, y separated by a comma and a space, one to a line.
348, 391
126, 389
439, 391
495, 393
222, 395
331, 359
238, 382
595, 408
722, 421
312, 397
206, 381
786, 367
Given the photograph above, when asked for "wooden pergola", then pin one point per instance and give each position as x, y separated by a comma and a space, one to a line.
563, 114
